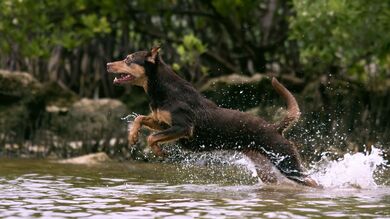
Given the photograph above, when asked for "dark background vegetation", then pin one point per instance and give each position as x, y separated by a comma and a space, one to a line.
334, 55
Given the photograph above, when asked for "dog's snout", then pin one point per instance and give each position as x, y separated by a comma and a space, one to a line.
109, 66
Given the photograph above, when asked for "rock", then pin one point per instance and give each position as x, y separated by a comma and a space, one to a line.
20, 104
232, 80
272, 113
53, 117
95, 118
90, 159
105, 106
15, 86
56, 109
93, 124
58, 97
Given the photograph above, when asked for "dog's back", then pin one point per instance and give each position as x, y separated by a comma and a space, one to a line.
225, 129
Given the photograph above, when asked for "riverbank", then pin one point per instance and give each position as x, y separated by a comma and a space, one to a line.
47, 120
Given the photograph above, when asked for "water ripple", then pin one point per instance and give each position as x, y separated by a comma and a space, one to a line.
145, 194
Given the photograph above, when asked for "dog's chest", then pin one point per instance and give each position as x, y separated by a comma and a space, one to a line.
162, 116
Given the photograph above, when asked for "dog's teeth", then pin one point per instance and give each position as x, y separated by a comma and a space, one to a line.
115, 79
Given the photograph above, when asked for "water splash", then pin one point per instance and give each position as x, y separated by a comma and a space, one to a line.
358, 170
352, 170
245, 162
130, 118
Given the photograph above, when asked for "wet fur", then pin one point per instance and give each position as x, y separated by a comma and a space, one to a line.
180, 113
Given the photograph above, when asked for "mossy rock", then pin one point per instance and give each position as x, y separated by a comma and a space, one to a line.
93, 124
15, 86
13, 121
20, 104
59, 96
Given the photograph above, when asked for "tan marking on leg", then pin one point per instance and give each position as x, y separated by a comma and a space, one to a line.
155, 139
140, 121
151, 123
164, 116
134, 129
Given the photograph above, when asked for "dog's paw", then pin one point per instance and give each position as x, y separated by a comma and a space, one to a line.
157, 151
132, 138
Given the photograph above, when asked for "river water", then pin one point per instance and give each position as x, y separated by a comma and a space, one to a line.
40, 188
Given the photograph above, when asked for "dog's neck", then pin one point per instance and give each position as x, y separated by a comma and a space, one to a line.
164, 85
157, 86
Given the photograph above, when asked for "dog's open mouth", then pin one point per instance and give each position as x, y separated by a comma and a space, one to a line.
123, 78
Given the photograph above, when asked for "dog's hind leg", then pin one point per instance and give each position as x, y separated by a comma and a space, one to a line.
268, 173
264, 167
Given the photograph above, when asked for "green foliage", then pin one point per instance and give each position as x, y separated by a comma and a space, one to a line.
189, 52
35, 27
94, 25
353, 36
239, 9
72, 39
190, 49
15, 22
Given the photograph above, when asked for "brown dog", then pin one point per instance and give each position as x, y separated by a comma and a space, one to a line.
180, 113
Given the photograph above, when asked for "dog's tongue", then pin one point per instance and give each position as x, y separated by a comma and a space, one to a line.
123, 79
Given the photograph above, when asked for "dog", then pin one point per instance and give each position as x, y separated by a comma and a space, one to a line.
180, 113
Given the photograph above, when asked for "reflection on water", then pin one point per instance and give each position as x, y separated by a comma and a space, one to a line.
134, 190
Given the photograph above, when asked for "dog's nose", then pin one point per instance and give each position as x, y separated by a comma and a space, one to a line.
108, 65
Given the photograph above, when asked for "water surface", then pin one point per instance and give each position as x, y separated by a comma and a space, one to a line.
36, 188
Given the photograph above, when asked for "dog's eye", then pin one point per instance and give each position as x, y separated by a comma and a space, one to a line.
128, 59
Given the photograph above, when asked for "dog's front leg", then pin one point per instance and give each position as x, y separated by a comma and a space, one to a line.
171, 134
139, 121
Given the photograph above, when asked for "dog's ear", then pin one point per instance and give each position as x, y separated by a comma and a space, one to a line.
153, 54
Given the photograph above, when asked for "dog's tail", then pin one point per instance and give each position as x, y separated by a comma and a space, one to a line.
293, 112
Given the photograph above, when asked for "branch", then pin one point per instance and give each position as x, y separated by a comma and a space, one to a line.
222, 61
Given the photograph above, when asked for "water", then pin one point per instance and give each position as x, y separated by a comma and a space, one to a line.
37, 188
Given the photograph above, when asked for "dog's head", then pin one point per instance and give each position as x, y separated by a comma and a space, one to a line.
131, 70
